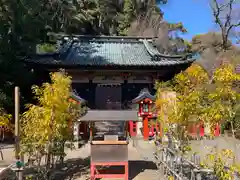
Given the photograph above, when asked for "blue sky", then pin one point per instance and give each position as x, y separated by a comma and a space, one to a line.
194, 14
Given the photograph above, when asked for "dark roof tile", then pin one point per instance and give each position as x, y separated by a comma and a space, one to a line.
110, 51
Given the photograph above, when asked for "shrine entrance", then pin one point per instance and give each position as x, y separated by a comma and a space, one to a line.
108, 96
84, 132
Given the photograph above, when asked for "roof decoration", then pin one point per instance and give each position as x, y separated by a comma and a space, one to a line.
109, 51
144, 94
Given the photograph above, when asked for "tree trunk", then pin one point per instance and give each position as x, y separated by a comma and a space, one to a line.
50, 144
49, 152
224, 40
62, 152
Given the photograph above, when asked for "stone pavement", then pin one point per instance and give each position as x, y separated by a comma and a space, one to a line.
144, 148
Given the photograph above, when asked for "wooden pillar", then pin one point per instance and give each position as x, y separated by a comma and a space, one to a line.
92, 172
217, 130
145, 128
201, 129
91, 131
160, 130
126, 171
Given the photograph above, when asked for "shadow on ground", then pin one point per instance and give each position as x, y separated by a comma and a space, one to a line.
72, 168
69, 170
75, 168
79, 167
136, 167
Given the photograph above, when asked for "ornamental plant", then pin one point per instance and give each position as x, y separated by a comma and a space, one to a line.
222, 163
5, 123
199, 98
45, 125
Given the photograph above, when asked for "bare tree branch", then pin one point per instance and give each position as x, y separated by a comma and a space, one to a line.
226, 24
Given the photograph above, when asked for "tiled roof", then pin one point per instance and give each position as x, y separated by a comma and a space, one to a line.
110, 115
102, 51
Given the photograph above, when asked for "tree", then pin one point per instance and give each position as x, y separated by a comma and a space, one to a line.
189, 88
200, 98
150, 22
25, 24
224, 98
212, 46
45, 125
129, 14
224, 13
209, 47
222, 164
5, 123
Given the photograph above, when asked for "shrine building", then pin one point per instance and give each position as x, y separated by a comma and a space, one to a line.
109, 72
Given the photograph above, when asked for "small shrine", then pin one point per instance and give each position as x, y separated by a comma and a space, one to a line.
145, 107
109, 142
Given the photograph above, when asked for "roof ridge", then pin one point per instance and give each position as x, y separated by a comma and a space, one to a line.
62, 35
64, 51
154, 52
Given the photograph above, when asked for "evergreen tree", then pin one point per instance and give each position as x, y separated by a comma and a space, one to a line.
129, 14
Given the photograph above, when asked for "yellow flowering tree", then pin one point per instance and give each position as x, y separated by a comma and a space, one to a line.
223, 96
200, 98
213, 100
5, 123
222, 163
189, 88
45, 124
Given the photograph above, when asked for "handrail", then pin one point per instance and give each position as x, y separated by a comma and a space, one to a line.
178, 174
194, 168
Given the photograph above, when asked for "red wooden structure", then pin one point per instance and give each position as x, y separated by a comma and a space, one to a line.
201, 130
109, 142
144, 102
196, 128
132, 128
217, 130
